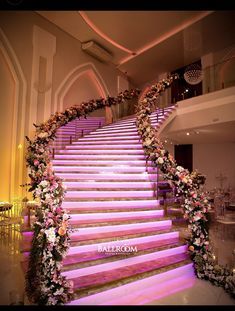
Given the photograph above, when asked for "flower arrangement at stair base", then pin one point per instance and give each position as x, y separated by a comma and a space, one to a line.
196, 205
51, 231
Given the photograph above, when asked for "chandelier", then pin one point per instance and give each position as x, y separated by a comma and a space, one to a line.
193, 74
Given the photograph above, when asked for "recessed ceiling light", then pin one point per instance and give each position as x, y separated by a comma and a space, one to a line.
187, 134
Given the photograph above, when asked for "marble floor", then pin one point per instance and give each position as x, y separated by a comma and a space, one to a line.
198, 293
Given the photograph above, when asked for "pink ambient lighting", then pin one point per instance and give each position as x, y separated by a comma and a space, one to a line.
165, 36
101, 34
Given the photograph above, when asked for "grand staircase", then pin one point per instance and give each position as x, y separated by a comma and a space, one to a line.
113, 200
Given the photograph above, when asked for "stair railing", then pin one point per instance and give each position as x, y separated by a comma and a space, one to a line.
51, 231
196, 204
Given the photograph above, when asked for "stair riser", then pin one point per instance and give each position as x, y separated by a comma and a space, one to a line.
104, 185
130, 169
103, 151
130, 242
106, 204
109, 176
98, 162
125, 262
109, 194
136, 227
101, 147
101, 142
143, 291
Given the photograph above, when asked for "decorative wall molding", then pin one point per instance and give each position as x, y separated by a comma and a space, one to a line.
18, 124
72, 77
44, 48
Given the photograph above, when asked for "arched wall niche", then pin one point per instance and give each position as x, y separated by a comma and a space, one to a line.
82, 84
12, 122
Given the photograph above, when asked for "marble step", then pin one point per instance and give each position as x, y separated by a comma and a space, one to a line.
103, 151
113, 216
143, 291
109, 194
100, 156
85, 259
114, 135
119, 204
107, 185
113, 146
96, 279
136, 233
106, 221
108, 176
104, 169
107, 138
96, 162
101, 142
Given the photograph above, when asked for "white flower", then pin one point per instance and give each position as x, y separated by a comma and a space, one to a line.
50, 233
43, 135
197, 241
65, 216
43, 183
147, 142
180, 168
47, 196
160, 160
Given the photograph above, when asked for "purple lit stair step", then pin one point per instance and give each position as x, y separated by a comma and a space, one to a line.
120, 126
115, 215
84, 210
91, 242
131, 241
107, 231
105, 185
93, 258
84, 283
101, 142
102, 138
114, 221
100, 162
65, 132
129, 135
134, 235
77, 185
105, 146
97, 219
119, 131
133, 227
88, 242
145, 290
110, 194
108, 176
102, 151
103, 169
99, 156
90, 258
106, 204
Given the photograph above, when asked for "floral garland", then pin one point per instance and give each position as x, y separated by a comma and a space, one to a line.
196, 204
51, 231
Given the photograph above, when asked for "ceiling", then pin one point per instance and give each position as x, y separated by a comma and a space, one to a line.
214, 133
145, 44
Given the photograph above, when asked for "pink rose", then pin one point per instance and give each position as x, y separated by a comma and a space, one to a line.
35, 162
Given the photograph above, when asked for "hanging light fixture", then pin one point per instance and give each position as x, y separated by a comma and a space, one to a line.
193, 74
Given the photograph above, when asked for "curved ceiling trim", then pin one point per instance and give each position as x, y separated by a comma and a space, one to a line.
101, 34
165, 36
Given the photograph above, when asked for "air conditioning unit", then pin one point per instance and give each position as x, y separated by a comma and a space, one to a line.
96, 51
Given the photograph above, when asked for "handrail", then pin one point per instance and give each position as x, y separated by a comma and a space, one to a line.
51, 237
196, 204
